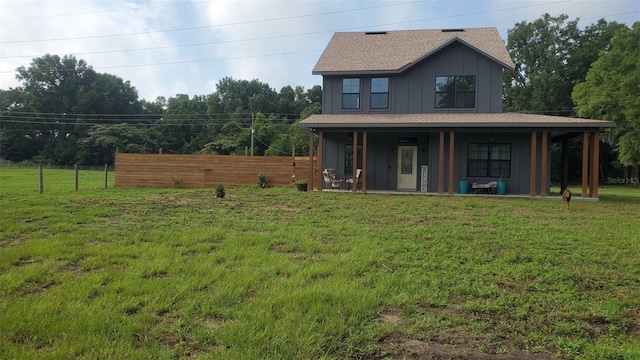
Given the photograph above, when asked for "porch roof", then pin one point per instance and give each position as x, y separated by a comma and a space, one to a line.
505, 121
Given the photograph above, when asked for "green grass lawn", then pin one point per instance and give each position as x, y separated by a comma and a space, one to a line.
274, 273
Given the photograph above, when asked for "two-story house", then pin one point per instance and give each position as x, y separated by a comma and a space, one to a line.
418, 110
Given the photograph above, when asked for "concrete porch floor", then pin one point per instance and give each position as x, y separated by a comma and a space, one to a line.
556, 197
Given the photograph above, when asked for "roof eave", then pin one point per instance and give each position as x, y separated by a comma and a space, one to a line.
357, 72
315, 121
455, 125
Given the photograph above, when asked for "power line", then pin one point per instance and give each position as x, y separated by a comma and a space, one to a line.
188, 61
246, 115
278, 36
247, 40
211, 26
179, 46
105, 11
162, 123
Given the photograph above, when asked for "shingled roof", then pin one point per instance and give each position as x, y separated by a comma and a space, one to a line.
395, 51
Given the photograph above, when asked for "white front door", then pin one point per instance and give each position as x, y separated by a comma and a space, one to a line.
407, 167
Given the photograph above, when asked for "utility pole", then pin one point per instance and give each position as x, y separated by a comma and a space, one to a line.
252, 131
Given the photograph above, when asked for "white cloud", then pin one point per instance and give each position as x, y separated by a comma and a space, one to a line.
240, 39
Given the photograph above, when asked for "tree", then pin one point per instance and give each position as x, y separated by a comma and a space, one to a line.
551, 56
19, 131
612, 92
184, 125
62, 97
103, 140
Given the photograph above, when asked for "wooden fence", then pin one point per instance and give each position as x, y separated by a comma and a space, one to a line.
196, 170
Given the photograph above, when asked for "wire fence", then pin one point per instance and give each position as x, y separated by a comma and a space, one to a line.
5, 164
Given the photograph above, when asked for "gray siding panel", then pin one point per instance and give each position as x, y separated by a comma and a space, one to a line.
382, 158
413, 90
496, 87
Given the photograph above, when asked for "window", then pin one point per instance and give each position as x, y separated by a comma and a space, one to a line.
348, 158
350, 93
489, 160
379, 93
455, 91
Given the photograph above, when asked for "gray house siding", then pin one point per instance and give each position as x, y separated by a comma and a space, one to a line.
517, 182
413, 91
382, 158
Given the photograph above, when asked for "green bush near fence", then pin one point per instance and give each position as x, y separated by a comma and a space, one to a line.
279, 274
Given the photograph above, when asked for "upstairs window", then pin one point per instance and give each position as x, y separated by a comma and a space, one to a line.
489, 160
350, 93
455, 91
380, 93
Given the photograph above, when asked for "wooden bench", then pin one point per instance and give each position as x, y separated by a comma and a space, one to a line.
490, 188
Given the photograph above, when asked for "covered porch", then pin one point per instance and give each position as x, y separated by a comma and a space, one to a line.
446, 143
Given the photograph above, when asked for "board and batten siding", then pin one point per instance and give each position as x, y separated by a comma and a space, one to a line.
413, 91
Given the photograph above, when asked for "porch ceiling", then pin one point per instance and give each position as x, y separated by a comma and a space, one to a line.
459, 121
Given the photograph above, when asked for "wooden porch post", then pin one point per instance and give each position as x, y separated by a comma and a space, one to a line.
451, 151
543, 167
534, 160
441, 165
311, 158
595, 163
564, 179
585, 163
319, 156
363, 174
354, 184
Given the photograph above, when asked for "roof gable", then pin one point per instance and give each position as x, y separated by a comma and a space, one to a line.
395, 51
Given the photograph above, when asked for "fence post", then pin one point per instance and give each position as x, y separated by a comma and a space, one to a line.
106, 169
41, 187
75, 166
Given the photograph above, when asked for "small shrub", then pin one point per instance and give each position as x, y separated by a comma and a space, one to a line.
220, 191
176, 182
262, 180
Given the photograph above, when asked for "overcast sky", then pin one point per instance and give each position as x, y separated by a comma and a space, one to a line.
166, 47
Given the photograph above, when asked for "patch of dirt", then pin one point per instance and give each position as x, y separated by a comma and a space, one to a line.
285, 249
24, 262
132, 310
10, 242
449, 346
156, 275
392, 316
180, 341
74, 268
37, 288
321, 276
396, 347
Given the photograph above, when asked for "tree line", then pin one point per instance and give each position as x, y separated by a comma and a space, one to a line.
65, 112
